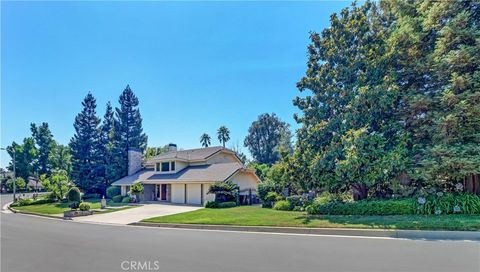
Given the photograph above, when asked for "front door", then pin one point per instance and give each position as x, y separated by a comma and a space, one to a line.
163, 192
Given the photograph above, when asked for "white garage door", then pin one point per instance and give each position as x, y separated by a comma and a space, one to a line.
178, 193
194, 194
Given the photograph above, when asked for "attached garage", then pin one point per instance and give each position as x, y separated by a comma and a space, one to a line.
178, 193
194, 194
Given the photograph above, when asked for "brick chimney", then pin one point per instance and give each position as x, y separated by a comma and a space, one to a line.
135, 160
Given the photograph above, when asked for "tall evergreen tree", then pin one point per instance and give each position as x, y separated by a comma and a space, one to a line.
45, 144
128, 131
108, 169
84, 146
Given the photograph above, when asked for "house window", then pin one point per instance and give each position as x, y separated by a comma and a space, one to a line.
165, 166
157, 166
172, 166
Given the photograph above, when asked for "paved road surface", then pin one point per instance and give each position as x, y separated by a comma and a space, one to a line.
31, 243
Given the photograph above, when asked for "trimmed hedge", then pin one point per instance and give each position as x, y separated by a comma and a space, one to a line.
117, 198
29, 201
365, 207
127, 199
74, 194
84, 206
220, 205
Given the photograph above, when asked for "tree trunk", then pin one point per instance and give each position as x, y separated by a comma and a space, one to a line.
472, 184
359, 191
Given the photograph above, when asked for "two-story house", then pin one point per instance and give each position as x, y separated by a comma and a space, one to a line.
184, 176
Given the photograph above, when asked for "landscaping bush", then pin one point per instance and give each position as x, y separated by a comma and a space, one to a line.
448, 203
283, 205
74, 194
74, 205
220, 205
211, 204
117, 198
272, 197
84, 206
364, 207
228, 204
90, 196
224, 191
266, 187
127, 199
113, 191
29, 201
296, 200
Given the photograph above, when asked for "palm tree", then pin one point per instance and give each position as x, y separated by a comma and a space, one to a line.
205, 140
223, 135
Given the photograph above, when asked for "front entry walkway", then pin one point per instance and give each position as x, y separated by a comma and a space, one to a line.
136, 214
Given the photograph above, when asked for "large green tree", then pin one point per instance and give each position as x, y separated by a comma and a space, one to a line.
45, 144
108, 169
128, 131
265, 136
25, 158
86, 156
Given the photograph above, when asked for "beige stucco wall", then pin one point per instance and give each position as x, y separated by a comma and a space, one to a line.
245, 180
194, 194
222, 157
178, 193
207, 197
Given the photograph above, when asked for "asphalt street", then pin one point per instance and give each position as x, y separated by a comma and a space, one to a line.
30, 243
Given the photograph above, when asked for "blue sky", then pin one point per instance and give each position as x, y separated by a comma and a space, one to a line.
193, 65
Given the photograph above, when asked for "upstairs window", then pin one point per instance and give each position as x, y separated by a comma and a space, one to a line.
165, 166
172, 166
157, 166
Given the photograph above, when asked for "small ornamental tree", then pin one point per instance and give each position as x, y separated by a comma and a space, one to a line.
136, 189
73, 194
224, 191
58, 183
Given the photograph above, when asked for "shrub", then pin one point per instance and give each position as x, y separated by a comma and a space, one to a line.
298, 209
113, 191
220, 205
364, 207
272, 197
73, 194
448, 203
224, 191
264, 188
117, 198
22, 202
84, 206
74, 205
228, 204
90, 196
296, 200
211, 204
127, 199
282, 205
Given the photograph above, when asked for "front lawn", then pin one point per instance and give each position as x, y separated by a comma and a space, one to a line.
256, 216
60, 207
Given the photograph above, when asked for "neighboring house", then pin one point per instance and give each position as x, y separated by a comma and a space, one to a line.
185, 176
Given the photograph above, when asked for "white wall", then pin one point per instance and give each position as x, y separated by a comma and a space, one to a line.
207, 197
194, 194
178, 193
244, 180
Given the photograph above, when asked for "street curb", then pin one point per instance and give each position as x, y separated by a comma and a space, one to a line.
381, 233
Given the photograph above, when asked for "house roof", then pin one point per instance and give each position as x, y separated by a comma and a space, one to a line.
190, 154
193, 173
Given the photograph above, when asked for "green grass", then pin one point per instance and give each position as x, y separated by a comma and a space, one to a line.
256, 216
60, 207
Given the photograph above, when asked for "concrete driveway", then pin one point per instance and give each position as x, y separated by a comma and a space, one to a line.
136, 214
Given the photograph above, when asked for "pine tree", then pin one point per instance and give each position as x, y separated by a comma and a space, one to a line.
84, 145
106, 147
45, 145
128, 131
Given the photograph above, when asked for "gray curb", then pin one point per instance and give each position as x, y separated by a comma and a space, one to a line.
406, 234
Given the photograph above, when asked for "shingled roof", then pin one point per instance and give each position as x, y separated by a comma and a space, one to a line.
190, 154
194, 173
